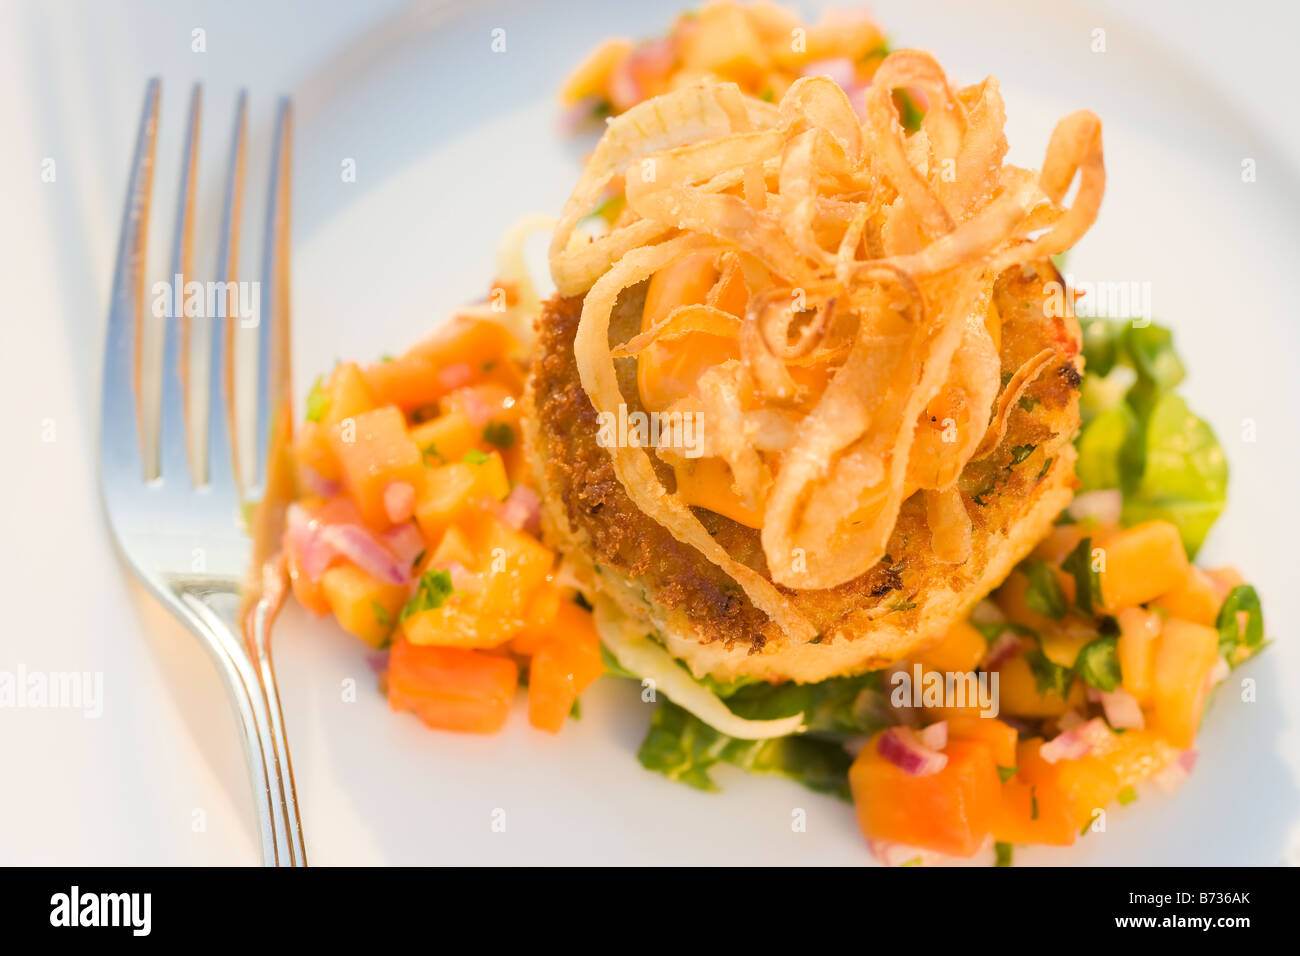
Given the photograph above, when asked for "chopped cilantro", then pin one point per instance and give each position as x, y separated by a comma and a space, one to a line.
386, 357
1126, 796
1241, 599
1087, 582
318, 401
1098, 663
1003, 851
418, 558
1049, 676
1006, 773
381, 614
902, 606
431, 451
433, 589
475, 457
981, 497
1021, 452
1028, 402
499, 434
1044, 594
908, 111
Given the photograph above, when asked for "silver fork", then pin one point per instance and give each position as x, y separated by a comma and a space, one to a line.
181, 528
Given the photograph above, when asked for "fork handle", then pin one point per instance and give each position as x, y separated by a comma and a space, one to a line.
257, 705
289, 822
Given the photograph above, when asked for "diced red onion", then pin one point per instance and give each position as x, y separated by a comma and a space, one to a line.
1095, 732
303, 537
476, 409
1122, 709
839, 69
522, 509
1102, 506
316, 484
934, 737
378, 662
404, 541
1006, 646
361, 548
901, 747
462, 578
399, 501
454, 375
1076, 742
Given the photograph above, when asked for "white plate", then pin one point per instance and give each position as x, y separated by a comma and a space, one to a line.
453, 142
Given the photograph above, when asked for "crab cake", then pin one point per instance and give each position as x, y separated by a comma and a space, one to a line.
910, 597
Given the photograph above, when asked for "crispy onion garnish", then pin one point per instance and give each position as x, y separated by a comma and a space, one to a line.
633, 465
950, 525
866, 372
681, 321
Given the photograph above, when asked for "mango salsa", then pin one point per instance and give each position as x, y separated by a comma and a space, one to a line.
428, 451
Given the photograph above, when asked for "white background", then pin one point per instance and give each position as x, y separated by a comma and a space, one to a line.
128, 787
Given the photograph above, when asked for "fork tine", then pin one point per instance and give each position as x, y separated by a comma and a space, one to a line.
221, 459
174, 397
273, 328
126, 315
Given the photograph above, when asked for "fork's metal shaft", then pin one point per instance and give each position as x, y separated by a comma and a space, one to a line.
213, 615
289, 824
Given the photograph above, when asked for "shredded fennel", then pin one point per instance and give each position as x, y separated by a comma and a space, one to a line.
645, 657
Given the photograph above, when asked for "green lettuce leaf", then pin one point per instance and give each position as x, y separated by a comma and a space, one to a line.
845, 706
685, 748
1163, 458
1101, 445
1185, 477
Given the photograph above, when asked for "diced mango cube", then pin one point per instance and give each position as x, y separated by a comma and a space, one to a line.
1141, 563
1184, 656
373, 450
364, 606
345, 395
